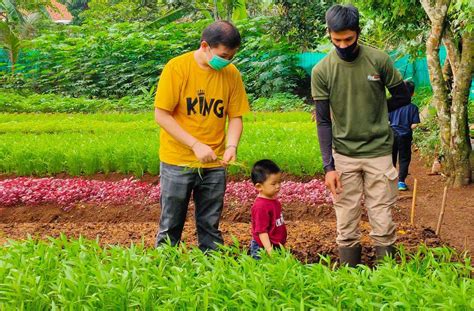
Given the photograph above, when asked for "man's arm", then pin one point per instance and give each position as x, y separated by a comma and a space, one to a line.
400, 97
234, 131
324, 124
165, 120
323, 118
393, 80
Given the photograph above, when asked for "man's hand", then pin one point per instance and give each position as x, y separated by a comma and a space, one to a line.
230, 155
333, 182
204, 153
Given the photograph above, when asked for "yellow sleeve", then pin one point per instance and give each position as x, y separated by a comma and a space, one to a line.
169, 88
238, 103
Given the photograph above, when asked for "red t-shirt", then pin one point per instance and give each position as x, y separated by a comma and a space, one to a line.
268, 218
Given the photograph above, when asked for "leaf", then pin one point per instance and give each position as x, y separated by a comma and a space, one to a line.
13, 13
240, 10
168, 18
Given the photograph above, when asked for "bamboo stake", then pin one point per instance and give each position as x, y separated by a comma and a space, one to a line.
441, 213
413, 203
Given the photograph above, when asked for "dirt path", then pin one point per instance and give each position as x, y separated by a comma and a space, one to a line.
458, 225
312, 230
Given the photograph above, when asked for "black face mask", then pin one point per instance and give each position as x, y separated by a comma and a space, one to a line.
347, 53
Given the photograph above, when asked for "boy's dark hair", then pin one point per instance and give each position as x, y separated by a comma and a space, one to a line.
411, 86
221, 32
262, 169
342, 17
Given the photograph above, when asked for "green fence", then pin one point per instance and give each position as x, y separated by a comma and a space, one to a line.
21, 65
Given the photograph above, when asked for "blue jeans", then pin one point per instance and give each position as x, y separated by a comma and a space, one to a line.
208, 189
254, 249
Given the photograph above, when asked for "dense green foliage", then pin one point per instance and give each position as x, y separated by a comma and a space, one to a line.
13, 102
65, 274
301, 22
126, 59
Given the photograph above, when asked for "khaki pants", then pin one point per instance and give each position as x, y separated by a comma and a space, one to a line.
376, 179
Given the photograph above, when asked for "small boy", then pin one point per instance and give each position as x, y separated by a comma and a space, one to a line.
268, 226
403, 120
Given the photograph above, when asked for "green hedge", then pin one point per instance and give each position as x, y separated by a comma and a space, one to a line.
13, 102
113, 61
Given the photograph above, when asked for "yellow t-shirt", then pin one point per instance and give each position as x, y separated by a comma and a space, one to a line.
200, 100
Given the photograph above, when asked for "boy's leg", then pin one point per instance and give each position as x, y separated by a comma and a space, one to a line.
380, 189
347, 204
209, 201
405, 157
176, 185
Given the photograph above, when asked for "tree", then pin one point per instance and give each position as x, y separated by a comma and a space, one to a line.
448, 23
75, 7
117, 11
259, 8
302, 22
215, 9
160, 12
18, 20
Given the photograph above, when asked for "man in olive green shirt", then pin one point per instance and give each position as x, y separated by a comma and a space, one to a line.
348, 86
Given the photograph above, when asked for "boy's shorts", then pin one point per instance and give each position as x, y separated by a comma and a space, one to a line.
255, 248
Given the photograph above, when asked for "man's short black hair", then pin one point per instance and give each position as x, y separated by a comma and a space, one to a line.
221, 32
262, 169
411, 86
342, 17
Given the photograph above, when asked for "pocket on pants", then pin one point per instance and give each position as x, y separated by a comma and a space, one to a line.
391, 177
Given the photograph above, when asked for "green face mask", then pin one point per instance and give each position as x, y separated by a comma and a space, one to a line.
218, 62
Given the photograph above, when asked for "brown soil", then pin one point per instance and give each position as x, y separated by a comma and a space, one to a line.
458, 222
311, 229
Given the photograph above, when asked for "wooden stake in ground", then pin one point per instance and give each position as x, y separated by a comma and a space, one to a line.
413, 203
441, 213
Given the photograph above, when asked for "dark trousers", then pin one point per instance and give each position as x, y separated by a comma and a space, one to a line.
207, 188
402, 151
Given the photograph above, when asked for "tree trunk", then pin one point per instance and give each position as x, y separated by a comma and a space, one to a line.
441, 101
215, 11
460, 140
11, 56
452, 52
448, 74
451, 110
229, 9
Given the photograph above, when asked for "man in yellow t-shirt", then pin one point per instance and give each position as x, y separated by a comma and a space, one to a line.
197, 93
